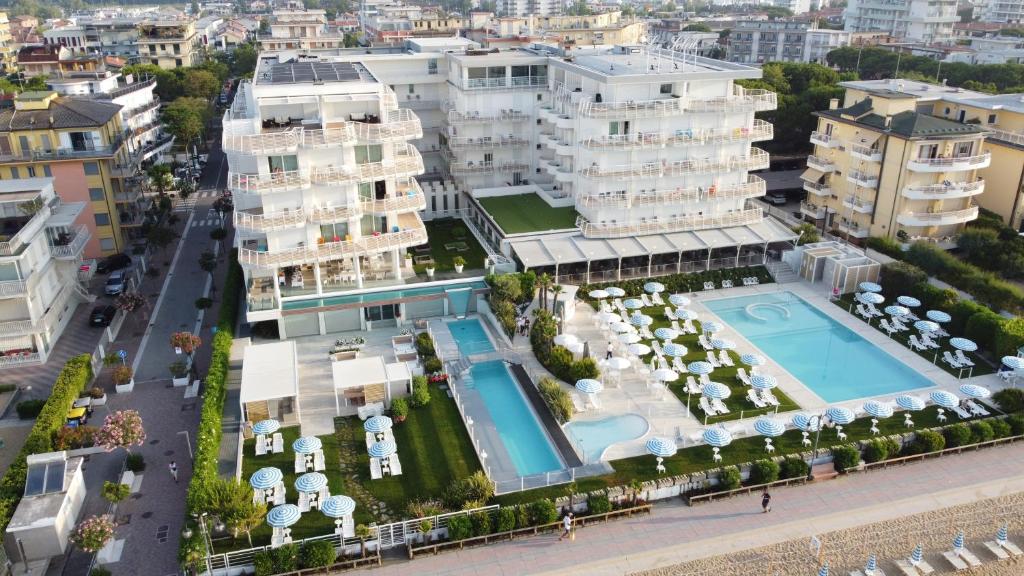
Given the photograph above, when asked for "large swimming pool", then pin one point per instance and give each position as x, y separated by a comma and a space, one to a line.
829, 358
524, 439
470, 337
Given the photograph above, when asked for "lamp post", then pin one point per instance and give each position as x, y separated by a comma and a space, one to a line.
822, 421
187, 533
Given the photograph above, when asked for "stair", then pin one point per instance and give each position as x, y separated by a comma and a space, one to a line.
782, 273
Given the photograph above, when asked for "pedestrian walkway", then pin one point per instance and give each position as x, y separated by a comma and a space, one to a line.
676, 533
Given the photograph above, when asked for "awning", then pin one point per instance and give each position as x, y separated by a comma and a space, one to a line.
866, 139
627, 247
563, 250
657, 244
532, 253
811, 175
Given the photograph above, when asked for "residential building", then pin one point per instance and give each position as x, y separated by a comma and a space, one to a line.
207, 28
112, 36
391, 25
169, 44
232, 34
39, 259
54, 59
990, 50
23, 30
883, 165
81, 144
301, 30
927, 21
757, 41
794, 6
527, 7
8, 53
434, 24
606, 28
1002, 11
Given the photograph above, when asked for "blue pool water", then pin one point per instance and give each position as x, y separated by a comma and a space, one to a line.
458, 301
595, 436
830, 359
524, 439
470, 337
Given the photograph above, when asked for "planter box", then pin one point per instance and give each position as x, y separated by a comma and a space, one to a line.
177, 382
99, 401
125, 388
458, 268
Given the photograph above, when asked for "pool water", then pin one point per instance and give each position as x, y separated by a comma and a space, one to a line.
829, 358
470, 337
517, 426
593, 437
458, 301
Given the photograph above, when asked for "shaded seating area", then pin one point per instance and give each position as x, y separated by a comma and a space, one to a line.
270, 385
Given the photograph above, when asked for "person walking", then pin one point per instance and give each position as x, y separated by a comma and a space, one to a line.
766, 502
566, 527
610, 351
173, 467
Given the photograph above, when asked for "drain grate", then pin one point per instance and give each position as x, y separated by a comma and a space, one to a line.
161, 533
147, 515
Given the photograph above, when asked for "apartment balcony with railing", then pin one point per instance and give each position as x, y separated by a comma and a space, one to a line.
753, 188
818, 189
1007, 136
456, 118
945, 190
501, 82
820, 163
757, 159
259, 184
397, 125
408, 197
13, 288
487, 142
405, 163
657, 225
851, 228
950, 164
866, 153
256, 220
812, 210
471, 167
69, 245
825, 140
650, 140
862, 179
279, 142
16, 232
938, 217
858, 204
741, 101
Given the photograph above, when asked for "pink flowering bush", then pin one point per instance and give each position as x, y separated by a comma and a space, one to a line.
122, 429
187, 341
93, 533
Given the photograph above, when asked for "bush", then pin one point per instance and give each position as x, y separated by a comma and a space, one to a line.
99, 571
522, 516
505, 312
424, 345
1010, 399
263, 563
286, 558
543, 512
764, 471
432, 365
481, 522
876, 451
957, 435
845, 457
1000, 429
527, 285
900, 278
584, 368
960, 312
794, 468
459, 528
420, 392
475, 488
598, 504
135, 462
506, 287
981, 431
399, 409
1016, 422
886, 246
1010, 337
4, 388
28, 409
319, 554
557, 399
115, 491
926, 441
982, 328
729, 478
74, 438
506, 519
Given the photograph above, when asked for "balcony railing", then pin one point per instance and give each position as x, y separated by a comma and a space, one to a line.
65, 153
852, 229
754, 187
486, 143
866, 153
407, 162
826, 140
328, 137
761, 131
76, 241
817, 188
127, 89
862, 179
328, 214
408, 198
503, 82
485, 167
950, 164
267, 183
16, 328
257, 221
265, 143
943, 191
667, 225
455, 117
858, 205
812, 210
13, 288
938, 218
13, 245
757, 160
20, 359
742, 100
819, 163
1006, 136
401, 124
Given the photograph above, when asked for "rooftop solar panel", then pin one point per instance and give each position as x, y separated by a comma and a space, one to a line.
302, 72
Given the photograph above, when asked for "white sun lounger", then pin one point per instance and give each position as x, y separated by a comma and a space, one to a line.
691, 385
1010, 547
678, 365
703, 341
646, 300
669, 313
656, 298
319, 464
863, 312
278, 443
997, 551
375, 472
884, 325
395, 465
753, 397
719, 406
909, 569
725, 359
713, 360
704, 379
726, 283
927, 341
962, 358
689, 327
741, 373
769, 398
948, 359
706, 406
578, 403
873, 311
963, 414
915, 344
676, 327
975, 408
709, 285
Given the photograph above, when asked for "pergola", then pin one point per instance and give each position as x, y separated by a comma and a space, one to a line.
840, 266
270, 383
368, 380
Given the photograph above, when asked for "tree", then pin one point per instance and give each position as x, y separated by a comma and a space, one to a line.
218, 235
544, 282
122, 429
697, 28
232, 502
362, 532
115, 492
243, 60
351, 40
808, 233
188, 343
36, 84
555, 291
168, 83
186, 118
208, 264
160, 178
194, 8
160, 237
129, 302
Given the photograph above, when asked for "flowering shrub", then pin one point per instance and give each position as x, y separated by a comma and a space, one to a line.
93, 533
121, 375
74, 438
122, 429
129, 301
437, 377
187, 341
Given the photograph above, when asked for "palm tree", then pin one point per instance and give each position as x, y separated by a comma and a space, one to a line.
544, 282
635, 486
555, 291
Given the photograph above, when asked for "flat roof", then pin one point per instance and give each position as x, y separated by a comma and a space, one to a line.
359, 372
312, 72
24, 188
269, 371
528, 212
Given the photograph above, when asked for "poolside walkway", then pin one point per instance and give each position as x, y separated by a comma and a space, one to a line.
676, 533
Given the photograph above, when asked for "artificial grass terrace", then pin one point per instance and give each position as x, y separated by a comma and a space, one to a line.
527, 213
441, 232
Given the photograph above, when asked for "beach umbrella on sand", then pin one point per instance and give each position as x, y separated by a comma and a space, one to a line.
975, 391
654, 287
824, 569
1003, 534
678, 300
598, 294
871, 566
716, 391
958, 541
910, 402
917, 555
770, 427
674, 350
615, 291
869, 287
878, 409
944, 399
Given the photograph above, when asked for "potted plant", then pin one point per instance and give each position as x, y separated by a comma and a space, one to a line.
459, 263
430, 270
124, 380
98, 396
425, 527
179, 373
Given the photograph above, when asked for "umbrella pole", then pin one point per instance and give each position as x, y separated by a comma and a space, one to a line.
688, 402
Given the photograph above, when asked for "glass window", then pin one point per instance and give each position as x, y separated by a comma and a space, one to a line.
366, 190
96, 194
334, 232
991, 118
25, 146
963, 149
102, 219
495, 71
665, 89
15, 173
412, 88
431, 66
540, 70
91, 168
107, 244
369, 153
477, 72
283, 163
520, 71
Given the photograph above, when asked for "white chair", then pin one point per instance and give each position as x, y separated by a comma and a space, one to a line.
907, 420
396, 465
719, 406
927, 341
725, 359
713, 360
303, 502
884, 325
839, 433
716, 456
279, 495
318, 462
755, 399
941, 415
807, 438
915, 344
948, 359
897, 323
874, 427
975, 408
768, 446
375, 470
261, 445
278, 443
962, 358
741, 373
300, 463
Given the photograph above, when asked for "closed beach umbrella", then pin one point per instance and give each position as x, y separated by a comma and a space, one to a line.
266, 478
770, 427
897, 310
666, 333
723, 344
310, 482
763, 381
376, 424
975, 391
917, 555
566, 339
309, 444
338, 506
661, 447
958, 540
283, 516
678, 300
264, 427
869, 287
641, 320
1003, 534
639, 349
1013, 362
654, 287
753, 359
674, 350
598, 294
711, 327
871, 297
839, 415
700, 367
684, 314
382, 449
717, 436
926, 326
665, 375
963, 344
589, 386
629, 337
878, 409
910, 402
944, 399
938, 316
633, 303
716, 391
620, 327
805, 422
824, 569
909, 301
617, 363
871, 566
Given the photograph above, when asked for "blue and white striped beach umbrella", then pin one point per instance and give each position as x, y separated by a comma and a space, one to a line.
938, 316
686, 314
674, 350
678, 300
926, 326
382, 449
629, 337
872, 565
589, 386
910, 402
284, 515
871, 298
770, 427
1003, 534
917, 555
700, 367
717, 436
338, 506
266, 478
897, 311
607, 316
264, 427
641, 320
723, 344
711, 327
909, 301
716, 391
763, 381
944, 399
958, 540
666, 333
654, 287
839, 415
753, 359
375, 424
804, 422
310, 482
661, 447
633, 303
307, 445
869, 287
615, 291
963, 344
878, 409
598, 294
1013, 362
824, 569
975, 391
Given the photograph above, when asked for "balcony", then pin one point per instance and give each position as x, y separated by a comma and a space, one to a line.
858, 205
754, 187
329, 214
862, 179
615, 229
82, 152
464, 168
757, 160
406, 162
19, 231
947, 218
944, 191
256, 220
125, 90
455, 117
652, 140
851, 229
16, 328
13, 288
818, 189
487, 142
825, 140
25, 358
1006, 136
398, 125
283, 142
950, 164
260, 184
409, 197
812, 210
741, 101
866, 153
819, 163
502, 82
71, 244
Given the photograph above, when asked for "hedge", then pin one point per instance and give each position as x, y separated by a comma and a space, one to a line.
72, 380
689, 282
557, 399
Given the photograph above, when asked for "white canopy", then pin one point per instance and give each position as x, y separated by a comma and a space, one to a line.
269, 371
360, 372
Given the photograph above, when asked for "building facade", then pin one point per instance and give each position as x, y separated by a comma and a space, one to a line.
756, 42
928, 21
8, 51
1002, 11
169, 44
301, 30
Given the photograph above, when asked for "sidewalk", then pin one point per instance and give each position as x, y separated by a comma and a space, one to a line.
676, 533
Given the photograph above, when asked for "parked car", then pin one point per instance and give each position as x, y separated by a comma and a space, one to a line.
102, 315
775, 199
115, 283
115, 262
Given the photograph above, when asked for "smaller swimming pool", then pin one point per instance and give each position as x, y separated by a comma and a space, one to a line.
595, 436
470, 337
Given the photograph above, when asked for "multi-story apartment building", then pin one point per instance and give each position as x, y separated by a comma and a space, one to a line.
755, 41
54, 59
883, 165
435, 24
169, 43
8, 53
41, 251
1001, 11
148, 37
82, 144
527, 7
928, 21
302, 30
109, 36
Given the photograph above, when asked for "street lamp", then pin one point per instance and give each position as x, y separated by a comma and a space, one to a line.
822, 421
201, 519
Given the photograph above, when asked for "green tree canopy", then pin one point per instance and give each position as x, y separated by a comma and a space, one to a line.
697, 28
186, 118
201, 84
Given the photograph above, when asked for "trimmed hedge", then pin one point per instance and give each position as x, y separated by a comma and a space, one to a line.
557, 399
72, 380
690, 282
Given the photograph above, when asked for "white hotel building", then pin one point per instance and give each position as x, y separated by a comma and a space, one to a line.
653, 149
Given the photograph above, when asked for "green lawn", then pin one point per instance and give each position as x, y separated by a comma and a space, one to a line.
446, 232
527, 213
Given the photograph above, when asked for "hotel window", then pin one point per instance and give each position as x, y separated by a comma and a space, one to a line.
991, 118
91, 168
15, 173
96, 194
31, 171
962, 149
46, 171
369, 153
665, 89
928, 151
283, 163
107, 244
102, 219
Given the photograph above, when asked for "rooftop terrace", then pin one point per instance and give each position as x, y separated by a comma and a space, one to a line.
523, 213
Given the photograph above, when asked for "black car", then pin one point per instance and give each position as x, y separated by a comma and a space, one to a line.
102, 315
115, 262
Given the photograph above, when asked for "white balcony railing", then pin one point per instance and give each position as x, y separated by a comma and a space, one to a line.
1007, 136
406, 162
401, 124
329, 214
455, 117
258, 221
858, 205
862, 179
742, 100
761, 131
943, 191
950, 164
13, 288
22, 359
866, 153
822, 164
408, 197
826, 140
328, 137
486, 142
76, 241
460, 168
754, 187
16, 328
397, 125
938, 218
282, 142
812, 210
817, 188
13, 245
756, 160
267, 183
852, 229
615, 229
